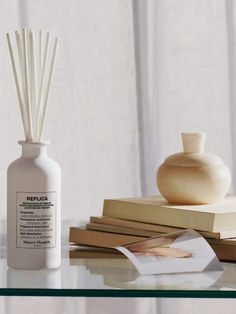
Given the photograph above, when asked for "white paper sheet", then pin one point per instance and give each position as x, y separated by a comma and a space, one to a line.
179, 252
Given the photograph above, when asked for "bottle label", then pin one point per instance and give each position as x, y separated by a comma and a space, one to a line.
36, 220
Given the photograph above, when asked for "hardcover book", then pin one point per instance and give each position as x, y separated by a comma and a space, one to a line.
111, 224
155, 210
100, 239
224, 249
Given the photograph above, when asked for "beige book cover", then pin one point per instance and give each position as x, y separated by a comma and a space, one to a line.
133, 226
121, 230
211, 217
224, 249
100, 239
124, 231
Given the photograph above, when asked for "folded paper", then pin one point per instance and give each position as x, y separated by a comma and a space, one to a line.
179, 252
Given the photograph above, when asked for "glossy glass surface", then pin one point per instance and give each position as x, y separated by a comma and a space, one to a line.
110, 277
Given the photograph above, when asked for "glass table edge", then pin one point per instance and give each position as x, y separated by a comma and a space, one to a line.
113, 293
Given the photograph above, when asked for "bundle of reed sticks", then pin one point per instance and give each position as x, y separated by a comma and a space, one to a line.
33, 70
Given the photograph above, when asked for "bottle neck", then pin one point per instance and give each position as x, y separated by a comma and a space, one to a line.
33, 149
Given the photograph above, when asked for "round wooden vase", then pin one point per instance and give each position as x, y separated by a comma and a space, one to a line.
193, 176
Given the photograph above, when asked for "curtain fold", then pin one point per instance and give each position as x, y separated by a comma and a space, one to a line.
230, 28
147, 86
92, 114
185, 78
184, 55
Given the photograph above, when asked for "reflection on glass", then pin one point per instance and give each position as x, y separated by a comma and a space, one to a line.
50, 279
120, 273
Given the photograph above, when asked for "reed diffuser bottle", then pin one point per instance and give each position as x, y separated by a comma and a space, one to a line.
33, 180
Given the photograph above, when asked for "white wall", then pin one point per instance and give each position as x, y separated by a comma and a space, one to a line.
92, 118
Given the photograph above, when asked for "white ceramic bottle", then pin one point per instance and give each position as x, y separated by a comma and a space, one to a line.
34, 209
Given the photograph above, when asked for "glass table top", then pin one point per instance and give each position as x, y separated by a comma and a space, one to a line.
109, 277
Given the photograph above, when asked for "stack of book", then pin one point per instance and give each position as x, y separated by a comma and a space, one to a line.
133, 219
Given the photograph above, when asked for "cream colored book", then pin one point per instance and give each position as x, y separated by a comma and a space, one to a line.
133, 227
84, 237
149, 234
224, 249
211, 217
121, 230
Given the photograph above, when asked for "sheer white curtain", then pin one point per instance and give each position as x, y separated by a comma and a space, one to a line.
92, 115
185, 53
130, 76
92, 118
186, 76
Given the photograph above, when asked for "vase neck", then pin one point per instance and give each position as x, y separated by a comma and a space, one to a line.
33, 149
193, 142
